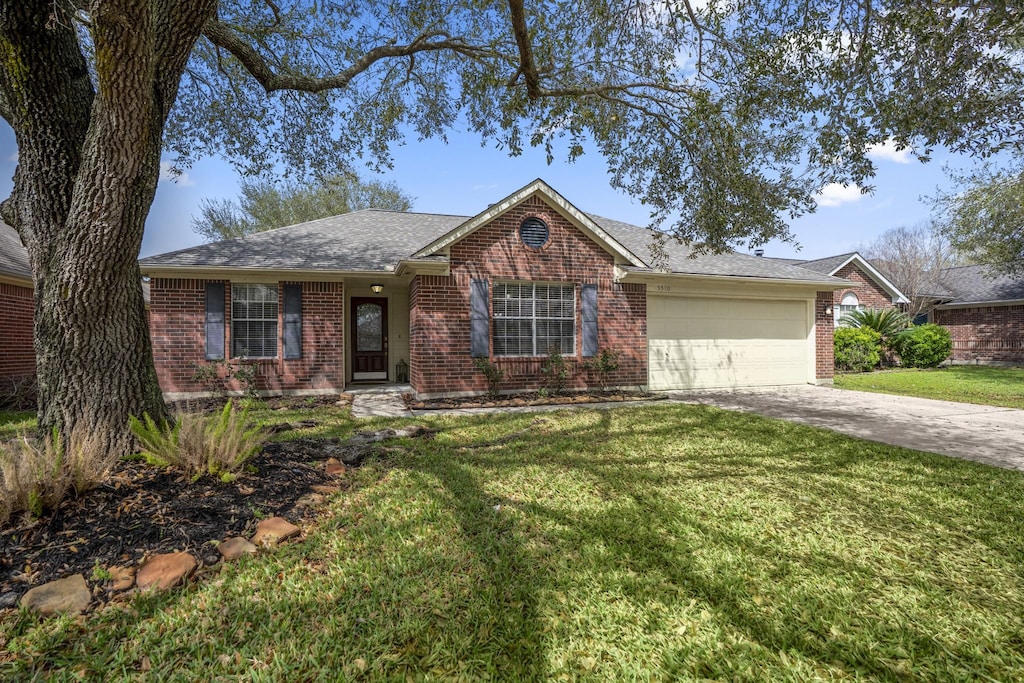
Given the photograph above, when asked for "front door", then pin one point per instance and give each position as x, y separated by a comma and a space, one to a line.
370, 342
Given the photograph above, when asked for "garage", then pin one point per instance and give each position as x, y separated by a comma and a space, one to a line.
697, 342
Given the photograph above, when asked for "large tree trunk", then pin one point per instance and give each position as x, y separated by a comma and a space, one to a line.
88, 167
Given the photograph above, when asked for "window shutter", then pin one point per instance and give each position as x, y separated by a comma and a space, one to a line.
292, 322
479, 320
214, 320
589, 302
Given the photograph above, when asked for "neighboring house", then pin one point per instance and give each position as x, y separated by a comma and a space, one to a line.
984, 313
17, 354
360, 297
868, 287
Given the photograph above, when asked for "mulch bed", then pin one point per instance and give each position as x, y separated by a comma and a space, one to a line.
141, 510
529, 399
215, 403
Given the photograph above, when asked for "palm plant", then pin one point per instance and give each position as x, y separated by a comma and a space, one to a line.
887, 322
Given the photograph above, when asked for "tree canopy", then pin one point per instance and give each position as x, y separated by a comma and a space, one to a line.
723, 116
264, 205
983, 216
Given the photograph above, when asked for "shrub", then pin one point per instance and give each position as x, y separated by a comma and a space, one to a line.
36, 475
556, 370
857, 349
217, 445
606, 363
215, 375
18, 393
492, 373
888, 322
923, 346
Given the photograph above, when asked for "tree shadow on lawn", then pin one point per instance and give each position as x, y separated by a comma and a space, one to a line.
828, 602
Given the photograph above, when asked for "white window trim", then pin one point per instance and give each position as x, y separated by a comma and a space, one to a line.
533, 317
276, 319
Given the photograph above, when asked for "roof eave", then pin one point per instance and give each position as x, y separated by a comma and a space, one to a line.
898, 297
647, 276
974, 304
226, 272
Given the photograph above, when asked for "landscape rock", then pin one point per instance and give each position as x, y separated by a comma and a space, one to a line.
325, 489
335, 467
121, 578
273, 531
64, 595
165, 571
8, 600
234, 548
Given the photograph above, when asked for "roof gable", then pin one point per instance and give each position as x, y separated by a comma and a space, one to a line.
898, 297
557, 202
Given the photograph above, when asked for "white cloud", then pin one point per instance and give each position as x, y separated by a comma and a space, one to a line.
835, 194
887, 152
168, 172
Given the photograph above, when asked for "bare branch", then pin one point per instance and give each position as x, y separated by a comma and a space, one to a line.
435, 41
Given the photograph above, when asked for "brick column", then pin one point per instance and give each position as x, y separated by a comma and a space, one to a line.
824, 353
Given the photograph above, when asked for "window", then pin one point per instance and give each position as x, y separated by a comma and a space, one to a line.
849, 303
534, 319
254, 321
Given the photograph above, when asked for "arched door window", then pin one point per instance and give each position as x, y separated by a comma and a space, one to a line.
849, 302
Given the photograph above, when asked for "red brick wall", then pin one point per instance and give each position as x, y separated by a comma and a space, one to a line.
870, 293
439, 306
178, 328
985, 333
17, 353
824, 354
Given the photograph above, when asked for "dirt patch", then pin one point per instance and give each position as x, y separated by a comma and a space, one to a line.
141, 509
528, 399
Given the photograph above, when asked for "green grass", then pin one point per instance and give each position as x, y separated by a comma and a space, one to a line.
13, 423
666, 542
966, 384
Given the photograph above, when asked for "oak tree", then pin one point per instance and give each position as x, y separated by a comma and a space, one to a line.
723, 116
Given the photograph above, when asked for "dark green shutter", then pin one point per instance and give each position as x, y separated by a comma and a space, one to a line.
214, 320
589, 302
479, 320
292, 322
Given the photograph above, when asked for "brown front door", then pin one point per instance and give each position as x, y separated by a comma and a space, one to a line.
370, 339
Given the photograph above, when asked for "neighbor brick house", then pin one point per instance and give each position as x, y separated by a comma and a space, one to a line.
383, 296
867, 287
984, 312
17, 354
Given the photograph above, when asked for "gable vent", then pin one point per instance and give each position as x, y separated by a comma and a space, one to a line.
533, 232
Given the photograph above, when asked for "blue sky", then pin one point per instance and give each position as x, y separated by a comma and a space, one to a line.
462, 177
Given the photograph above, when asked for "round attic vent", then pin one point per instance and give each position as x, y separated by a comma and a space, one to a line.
533, 232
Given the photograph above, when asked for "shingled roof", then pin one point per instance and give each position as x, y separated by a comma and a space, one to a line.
979, 284
374, 240
13, 255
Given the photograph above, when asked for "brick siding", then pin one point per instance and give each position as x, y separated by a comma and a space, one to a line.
17, 353
439, 305
824, 355
869, 292
985, 334
178, 328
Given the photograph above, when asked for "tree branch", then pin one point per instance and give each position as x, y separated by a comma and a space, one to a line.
224, 37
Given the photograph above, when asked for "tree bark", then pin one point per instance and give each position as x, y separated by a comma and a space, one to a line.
88, 166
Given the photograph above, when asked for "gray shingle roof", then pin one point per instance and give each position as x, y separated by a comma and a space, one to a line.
370, 240
13, 255
639, 241
376, 240
822, 265
969, 284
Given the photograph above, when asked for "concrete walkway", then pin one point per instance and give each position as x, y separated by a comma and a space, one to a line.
380, 401
986, 434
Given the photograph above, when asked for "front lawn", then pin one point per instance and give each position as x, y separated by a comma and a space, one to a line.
963, 383
667, 542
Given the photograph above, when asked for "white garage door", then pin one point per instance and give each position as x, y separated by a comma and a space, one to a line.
696, 343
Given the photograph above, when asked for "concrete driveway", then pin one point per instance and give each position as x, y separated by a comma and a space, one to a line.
986, 434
